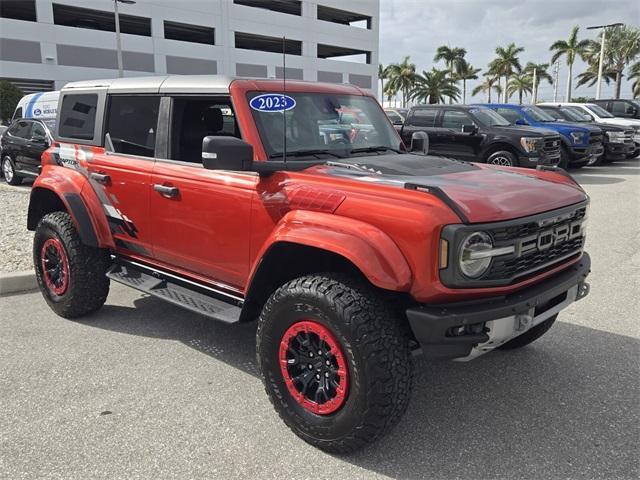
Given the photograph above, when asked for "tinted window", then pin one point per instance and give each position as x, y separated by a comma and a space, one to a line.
394, 117
21, 129
620, 108
194, 119
37, 131
78, 116
455, 120
132, 122
511, 115
423, 117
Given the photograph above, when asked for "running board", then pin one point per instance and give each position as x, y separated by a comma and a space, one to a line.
172, 292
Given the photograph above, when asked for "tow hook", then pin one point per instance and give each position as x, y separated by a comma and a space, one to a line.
583, 290
523, 321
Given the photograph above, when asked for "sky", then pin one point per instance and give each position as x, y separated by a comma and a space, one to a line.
417, 27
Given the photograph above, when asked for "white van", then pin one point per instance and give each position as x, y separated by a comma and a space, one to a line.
41, 105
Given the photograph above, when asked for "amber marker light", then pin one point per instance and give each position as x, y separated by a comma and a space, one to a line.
444, 253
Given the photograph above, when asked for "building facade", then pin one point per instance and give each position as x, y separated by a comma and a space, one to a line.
46, 43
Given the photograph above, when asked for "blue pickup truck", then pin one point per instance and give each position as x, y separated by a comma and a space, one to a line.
581, 144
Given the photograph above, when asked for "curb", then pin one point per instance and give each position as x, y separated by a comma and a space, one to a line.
18, 282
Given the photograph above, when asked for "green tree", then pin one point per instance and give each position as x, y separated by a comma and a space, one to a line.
490, 84
464, 72
10, 95
570, 48
383, 74
506, 64
520, 83
634, 74
402, 78
621, 49
541, 73
434, 86
453, 58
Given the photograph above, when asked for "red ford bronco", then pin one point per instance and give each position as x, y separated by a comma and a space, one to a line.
251, 199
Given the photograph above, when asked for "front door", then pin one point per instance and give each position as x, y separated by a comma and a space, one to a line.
121, 177
462, 145
201, 218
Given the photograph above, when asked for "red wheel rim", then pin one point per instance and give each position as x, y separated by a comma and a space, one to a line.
314, 367
55, 266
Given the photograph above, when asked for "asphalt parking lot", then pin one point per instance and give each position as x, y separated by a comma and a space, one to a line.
143, 389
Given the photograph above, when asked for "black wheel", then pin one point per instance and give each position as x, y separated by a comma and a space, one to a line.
529, 336
335, 361
71, 275
9, 171
504, 158
564, 158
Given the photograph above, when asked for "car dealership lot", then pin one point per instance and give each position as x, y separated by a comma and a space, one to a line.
143, 389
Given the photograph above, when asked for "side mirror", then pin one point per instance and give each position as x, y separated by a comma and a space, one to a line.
420, 143
226, 153
469, 128
520, 122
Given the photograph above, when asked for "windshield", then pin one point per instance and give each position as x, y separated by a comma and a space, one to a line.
599, 111
538, 114
572, 115
51, 124
636, 103
578, 112
489, 118
320, 123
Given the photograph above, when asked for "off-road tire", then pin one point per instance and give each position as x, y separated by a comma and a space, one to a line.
15, 178
529, 336
502, 157
375, 342
88, 285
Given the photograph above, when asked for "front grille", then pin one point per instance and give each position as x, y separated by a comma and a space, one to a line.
595, 138
551, 146
628, 136
514, 232
536, 261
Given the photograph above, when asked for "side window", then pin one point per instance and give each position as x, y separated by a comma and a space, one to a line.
423, 117
192, 119
18, 113
511, 115
455, 119
20, 129
78, 116
132, 122
394, 117
618, 108
37, 131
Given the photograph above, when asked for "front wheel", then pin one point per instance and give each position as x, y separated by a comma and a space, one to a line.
71, 275
335, 361
503, 158
9, 171
529, 336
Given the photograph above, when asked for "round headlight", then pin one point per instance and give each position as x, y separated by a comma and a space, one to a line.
472, 262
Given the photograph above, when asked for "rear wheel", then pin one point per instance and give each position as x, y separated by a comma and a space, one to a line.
335, 361
71, 275
503, 158
530, 335
9, 171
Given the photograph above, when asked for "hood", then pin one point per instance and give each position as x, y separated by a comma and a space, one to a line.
609, 128
572, 126
525, 130
622, 122
480, 193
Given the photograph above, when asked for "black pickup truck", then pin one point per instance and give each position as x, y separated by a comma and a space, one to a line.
478, 134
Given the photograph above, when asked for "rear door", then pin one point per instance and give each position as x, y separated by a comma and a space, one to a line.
421, 120
121, 176
200, 219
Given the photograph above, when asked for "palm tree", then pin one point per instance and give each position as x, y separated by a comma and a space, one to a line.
464, 72
571, 49
590, 75
402, 78
383, 74
521, 83
622, 48
434, 86
505, 64
541, 73
634, 74
489, 85
453, 58
390, 93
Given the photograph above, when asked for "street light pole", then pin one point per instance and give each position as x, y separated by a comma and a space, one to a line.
118, 39
602, 44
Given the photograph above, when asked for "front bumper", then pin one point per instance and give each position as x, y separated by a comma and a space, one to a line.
495, 320
618, 151
534, 159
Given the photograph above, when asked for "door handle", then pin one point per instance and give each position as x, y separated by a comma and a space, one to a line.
166, 191
100, 178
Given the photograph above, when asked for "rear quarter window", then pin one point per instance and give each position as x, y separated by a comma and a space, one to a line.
78, 116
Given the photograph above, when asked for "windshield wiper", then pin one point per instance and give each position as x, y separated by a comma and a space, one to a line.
378, 148
304, 153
